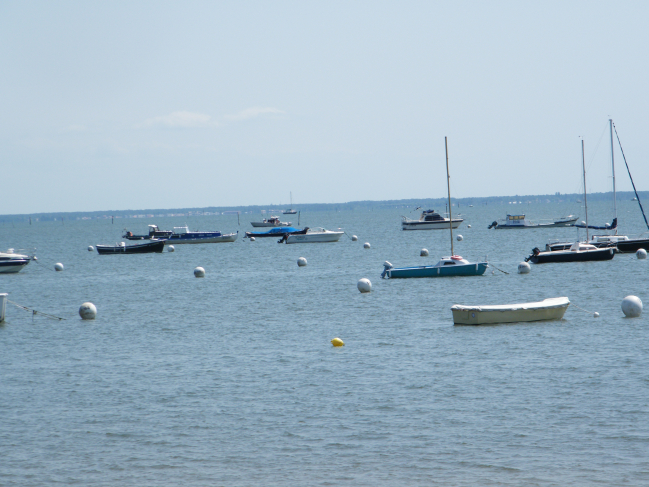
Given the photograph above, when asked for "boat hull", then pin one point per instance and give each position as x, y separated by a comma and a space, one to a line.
277, 233
313, 238
13, 266
633, 245
572, 256
477, 269
549, 309
199, 238
146, 248
437, 225
267, 224
570, 223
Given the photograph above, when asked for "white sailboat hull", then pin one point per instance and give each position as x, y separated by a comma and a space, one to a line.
438, 225
548, 309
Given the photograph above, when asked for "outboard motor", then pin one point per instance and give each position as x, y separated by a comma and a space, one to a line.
494, 224
386, 267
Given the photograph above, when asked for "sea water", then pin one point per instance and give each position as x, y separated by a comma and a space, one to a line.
232, 380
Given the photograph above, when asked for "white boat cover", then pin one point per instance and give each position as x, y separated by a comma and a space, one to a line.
545, 304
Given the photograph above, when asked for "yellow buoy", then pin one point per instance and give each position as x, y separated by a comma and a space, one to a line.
337, 342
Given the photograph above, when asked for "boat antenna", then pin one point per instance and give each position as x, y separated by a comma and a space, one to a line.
583, 165
610, 121
448, 185
629, 171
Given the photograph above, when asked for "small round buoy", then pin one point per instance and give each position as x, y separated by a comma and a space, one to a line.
252, 239
58, 267
632, 306
171, 248
524, 268
423, 253
91, 248
366, 245
364, 285
337, 342
459, 238
468, 226
199, 272
88, 311
641, 254
354, 238
595, 314
301, 262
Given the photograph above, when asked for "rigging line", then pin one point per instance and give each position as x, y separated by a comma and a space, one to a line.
34, 312
629, 171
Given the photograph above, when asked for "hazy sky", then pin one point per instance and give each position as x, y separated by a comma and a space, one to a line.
130, 105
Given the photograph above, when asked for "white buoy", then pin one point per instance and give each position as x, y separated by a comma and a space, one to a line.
641, 254
91, 248
171, 248
252, 239
524, 268
364, 285
595, 314
301, 262
58, 267
423, 253
468, 226
199, 272
366, 245
354, 238
88, 311
459, 238
632, 306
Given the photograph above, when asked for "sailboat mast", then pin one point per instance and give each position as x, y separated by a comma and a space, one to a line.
610, 122
583, 165
448, 186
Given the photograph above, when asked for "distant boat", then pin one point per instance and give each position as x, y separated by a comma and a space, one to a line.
451, 266
154, 246
313, 235
277, 232
429, 220
519, 221
12, 263
290, 211
273, 221
548, 309
182, 235
578, 251
154, 232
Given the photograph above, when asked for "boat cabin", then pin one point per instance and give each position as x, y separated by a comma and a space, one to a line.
453, 260
431, 216
181, 230
581, 247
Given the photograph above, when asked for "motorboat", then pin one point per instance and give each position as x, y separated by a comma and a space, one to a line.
451, 266
548, 309
313, 235
578, 252
429, 220
154, 246
154, 232
290, 211
519, 221
599, 241
454, 265
182, 235
273, 221
277, 232
12, 263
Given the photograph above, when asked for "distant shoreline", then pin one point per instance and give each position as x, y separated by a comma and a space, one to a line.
349, 206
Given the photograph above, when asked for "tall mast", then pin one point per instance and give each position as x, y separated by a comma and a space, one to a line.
610, 122
448, 185
583, 165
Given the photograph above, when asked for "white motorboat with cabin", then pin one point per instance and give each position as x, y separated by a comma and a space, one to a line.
519, 221
11, 262
548, 309
273, 221
313, 235
429, 220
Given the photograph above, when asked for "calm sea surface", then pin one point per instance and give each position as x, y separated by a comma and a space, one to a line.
231, 379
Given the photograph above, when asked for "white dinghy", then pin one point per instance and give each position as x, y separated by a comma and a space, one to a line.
548, 309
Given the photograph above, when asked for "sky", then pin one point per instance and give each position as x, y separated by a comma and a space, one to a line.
133, 105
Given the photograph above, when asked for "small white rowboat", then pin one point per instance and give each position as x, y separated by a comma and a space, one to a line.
548, 309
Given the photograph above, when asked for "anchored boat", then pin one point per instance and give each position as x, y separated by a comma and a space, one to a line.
273, 221
182, 235
12, 263
277, 232
429, 220
154, 246
548, 309
519, 221
313, 235
154, 232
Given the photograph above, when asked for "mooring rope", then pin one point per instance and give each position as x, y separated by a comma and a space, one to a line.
594, 313
35, 312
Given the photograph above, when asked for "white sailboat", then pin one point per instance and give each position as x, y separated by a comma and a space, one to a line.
290, 211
